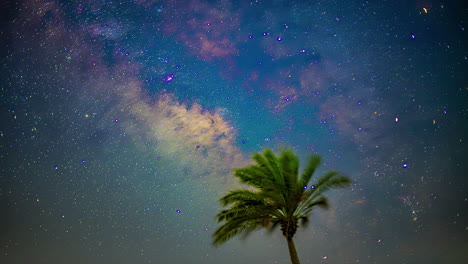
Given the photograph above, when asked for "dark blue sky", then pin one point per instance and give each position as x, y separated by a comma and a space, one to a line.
120, 123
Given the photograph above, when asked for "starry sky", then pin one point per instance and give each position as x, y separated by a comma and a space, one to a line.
121, 121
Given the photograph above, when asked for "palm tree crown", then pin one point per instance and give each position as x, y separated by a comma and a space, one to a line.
280, 197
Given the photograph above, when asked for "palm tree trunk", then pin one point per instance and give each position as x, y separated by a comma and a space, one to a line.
292, 251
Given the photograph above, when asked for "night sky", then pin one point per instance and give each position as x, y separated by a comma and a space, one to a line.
120, 124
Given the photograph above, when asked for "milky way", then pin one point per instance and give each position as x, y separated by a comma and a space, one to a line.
122, 121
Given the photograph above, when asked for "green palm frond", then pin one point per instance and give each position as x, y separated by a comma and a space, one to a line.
331, 179
236, 212
289, 163
278, 198
241, 221
234, 227
308, 206
261, 161
242, 195
252, 175
274, 167
312, 165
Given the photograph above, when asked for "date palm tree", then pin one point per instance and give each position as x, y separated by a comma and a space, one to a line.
276, 196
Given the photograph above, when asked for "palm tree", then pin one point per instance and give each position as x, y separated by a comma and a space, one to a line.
279, 197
